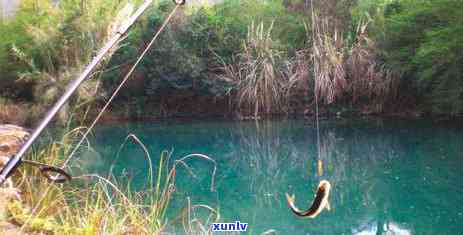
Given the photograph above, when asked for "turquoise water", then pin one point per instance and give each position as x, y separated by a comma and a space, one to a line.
388, 177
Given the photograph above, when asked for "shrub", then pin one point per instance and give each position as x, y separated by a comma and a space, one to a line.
424, 41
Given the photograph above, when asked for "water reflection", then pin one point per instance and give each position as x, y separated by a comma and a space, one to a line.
376, 228
387, 177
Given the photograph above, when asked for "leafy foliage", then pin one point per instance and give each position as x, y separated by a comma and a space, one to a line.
424, 39
47, 44
184, 59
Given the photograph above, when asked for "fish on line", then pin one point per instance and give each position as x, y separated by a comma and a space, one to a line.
319, 203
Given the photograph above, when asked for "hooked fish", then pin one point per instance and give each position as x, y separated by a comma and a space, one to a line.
319, 203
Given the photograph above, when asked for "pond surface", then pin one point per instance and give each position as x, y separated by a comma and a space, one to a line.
388, 177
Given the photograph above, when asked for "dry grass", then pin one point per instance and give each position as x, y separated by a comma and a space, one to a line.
328, 60
259, 79
262, 75
368, 79
12, 113
266, 81
343, 71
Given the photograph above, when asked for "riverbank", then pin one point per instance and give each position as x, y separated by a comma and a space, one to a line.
202, 107
89, 204
236, 59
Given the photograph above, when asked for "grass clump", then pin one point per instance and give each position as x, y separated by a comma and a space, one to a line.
262, 73
348, 67
92, 204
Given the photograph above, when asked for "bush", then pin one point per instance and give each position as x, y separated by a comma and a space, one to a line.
424, 41
185, 56
47, 44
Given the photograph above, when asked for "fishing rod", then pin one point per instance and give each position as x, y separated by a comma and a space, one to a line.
61, 176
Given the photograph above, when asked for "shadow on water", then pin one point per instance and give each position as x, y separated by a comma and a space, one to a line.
388, 177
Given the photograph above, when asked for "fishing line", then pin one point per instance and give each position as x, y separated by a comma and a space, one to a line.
121, 85
320, 192
319, 165
320, 202
116, 91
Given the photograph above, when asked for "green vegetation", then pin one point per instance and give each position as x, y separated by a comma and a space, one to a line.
246, 58
199, 42
45, 46
423, 40
370, 56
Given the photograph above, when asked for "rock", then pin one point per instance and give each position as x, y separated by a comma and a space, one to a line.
9, 228
11, 139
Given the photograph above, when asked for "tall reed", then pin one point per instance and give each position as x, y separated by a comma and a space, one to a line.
328, 59
349, 72
368, 78
262, 74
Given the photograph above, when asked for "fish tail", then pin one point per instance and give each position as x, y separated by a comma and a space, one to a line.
290, 199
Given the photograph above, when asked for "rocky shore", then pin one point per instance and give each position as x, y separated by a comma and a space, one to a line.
11, 139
